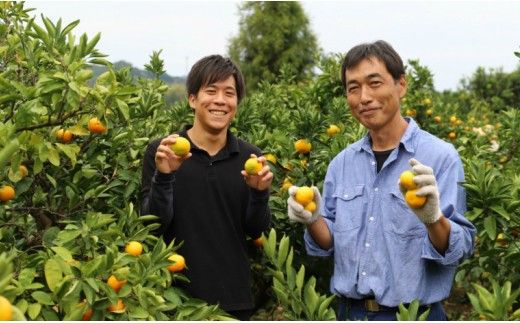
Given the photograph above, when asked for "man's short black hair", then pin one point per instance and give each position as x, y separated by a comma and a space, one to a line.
211, 69
380, 50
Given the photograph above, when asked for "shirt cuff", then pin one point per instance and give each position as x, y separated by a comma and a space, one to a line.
257, 195
313, 249
162, 178
453, 255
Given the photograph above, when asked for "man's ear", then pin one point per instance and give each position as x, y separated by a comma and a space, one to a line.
191, 100
403, 86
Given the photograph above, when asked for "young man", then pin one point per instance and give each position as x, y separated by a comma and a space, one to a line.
205, 199
386, 253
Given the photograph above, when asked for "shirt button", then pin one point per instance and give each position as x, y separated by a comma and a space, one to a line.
376, 189
371, 218
367, 244
373, 163
363, 273
345, 196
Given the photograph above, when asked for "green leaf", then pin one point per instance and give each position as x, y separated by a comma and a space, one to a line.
283, 249
42, 298
33, 310
299, 279
64, 253
309, 295
53, 273
490, 225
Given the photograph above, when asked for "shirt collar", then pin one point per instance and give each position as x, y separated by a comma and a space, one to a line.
231, 141
406, 140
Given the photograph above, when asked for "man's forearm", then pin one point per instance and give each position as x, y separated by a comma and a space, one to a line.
439, 234
320, 233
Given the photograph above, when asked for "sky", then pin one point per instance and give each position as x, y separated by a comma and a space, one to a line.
451, 38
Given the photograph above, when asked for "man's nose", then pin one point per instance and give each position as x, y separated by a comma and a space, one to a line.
220, 97
366, 95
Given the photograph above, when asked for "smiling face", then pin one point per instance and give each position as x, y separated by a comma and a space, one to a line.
373, 95
215, 105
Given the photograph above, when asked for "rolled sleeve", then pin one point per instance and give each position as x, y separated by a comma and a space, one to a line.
312, 247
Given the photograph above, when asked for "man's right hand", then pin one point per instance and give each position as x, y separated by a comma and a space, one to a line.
166, 161
296, 211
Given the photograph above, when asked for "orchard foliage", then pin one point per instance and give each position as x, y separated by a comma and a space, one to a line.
64, 233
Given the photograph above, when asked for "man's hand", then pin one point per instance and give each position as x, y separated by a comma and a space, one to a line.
263, 179
296, 211
430, 212
166, 161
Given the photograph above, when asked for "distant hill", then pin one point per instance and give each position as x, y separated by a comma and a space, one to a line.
136, 72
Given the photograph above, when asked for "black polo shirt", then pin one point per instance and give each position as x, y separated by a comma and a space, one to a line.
207, 205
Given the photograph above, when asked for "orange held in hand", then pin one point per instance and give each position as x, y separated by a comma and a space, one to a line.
7, 193
181, 147
96, 126
304, 195
406, 180
134, 248
253, 166
413, 200
179, 263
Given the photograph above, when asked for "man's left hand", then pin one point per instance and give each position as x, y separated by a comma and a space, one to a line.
263, 179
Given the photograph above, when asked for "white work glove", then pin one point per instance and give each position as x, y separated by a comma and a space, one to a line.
296, 211
430, 212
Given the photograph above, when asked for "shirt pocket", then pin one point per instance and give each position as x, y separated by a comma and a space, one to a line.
350, 207
399, 218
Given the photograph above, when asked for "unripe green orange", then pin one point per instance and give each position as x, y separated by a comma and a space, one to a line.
253, 166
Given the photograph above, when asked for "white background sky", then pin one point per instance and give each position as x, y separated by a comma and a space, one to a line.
451, 38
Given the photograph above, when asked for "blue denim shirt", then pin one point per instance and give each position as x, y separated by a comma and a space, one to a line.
380, 247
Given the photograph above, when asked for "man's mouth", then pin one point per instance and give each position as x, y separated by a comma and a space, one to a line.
217, 112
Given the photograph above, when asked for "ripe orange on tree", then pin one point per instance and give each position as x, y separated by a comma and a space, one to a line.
6, 309
119, 307
271, 158
64, 136
259, 242
181, 147
87, 315
134, 248
413, 200
437, 119
178, 263
7, 193
115, 283
252, 166
332, 130
96, 126
452, 135
302, 146
23, 170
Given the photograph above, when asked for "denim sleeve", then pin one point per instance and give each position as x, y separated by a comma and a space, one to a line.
453, 206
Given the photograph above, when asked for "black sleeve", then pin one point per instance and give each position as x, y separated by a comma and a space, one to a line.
258, 216
156, 189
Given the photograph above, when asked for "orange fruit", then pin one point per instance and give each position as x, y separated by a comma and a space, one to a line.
7, 193
64, 136
286, 184
253, 166
332, 130
181, 147
134, 248
117, 308
96, 126
427, 101
452, 135
413, 200
87, 315
23, 170
437, 119
429, 112
271, 158
259, 242
115, 283
178, 263
6, 309
302, 146
311, 207
304, 195
453, 119
406, 180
